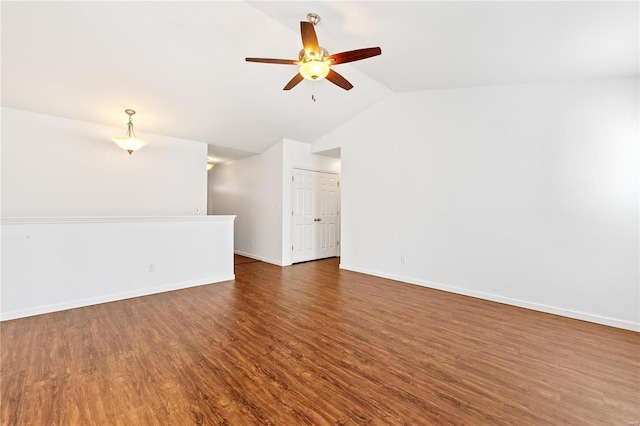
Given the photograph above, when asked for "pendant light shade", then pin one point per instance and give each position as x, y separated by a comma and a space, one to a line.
130, 142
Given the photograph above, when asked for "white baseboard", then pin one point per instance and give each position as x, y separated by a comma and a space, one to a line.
261, 258
613, 322
4, 316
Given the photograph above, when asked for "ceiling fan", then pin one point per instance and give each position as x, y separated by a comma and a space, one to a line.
315, 62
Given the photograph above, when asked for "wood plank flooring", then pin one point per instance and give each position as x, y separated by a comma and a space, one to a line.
310, 344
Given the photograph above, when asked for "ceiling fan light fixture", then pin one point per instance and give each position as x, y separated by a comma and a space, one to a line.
314, 61
314, 70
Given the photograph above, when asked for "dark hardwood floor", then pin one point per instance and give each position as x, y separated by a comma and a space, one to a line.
239, 260
310, 344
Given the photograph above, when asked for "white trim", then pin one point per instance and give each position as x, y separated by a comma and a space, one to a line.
584, 316
113, 219
261, 258
311, 169
4, 316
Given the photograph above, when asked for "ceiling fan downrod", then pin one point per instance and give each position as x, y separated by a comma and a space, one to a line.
313, 18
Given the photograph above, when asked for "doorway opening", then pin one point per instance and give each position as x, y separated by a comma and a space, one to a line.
315, 224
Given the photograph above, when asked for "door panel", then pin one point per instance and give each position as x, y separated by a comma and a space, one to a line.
309, 238
322, 240
327, 212
332, 236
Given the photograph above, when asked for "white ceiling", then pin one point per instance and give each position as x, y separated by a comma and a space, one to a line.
181, 65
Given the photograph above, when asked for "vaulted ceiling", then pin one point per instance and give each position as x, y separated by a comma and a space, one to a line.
181, 65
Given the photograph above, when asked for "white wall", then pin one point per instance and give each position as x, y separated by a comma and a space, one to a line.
251, 189
57, 171
50, 264
267, 197
258, 190
522, 194
230, 186
54, 166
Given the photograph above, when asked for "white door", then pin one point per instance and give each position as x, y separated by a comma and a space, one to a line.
315, 219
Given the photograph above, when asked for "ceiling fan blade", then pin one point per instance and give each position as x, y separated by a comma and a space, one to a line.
294, 81
354, 55
309, 38
273, 61
339, 80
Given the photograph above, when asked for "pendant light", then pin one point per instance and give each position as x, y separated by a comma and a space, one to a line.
130, 142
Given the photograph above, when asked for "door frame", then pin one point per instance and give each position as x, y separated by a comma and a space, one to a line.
287, 213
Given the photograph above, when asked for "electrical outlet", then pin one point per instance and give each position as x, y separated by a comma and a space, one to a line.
251, 242
152, 267
403, 259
